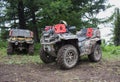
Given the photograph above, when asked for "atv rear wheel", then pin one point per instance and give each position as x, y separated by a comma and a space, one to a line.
10, 49
96, 55
67, 57
31, 49
45, 57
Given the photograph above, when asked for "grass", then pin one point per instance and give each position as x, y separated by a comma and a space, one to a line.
110, 53
18, 59
110, 57
21, 58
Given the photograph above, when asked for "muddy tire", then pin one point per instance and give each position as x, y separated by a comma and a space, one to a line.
10, 49
67, 57
31, 49
45, 57
96, 55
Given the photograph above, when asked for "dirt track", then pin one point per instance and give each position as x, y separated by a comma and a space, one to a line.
84, 72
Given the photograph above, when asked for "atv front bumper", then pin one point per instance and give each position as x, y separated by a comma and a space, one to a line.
49, 48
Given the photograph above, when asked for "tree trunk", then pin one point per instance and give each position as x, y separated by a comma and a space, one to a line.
21, 16
35, 29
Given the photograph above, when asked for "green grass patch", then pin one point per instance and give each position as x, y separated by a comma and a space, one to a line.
3, 44
18, 59
111, 53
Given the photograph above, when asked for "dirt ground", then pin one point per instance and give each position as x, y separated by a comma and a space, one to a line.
85, 71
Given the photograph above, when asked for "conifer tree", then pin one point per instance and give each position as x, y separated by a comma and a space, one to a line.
117, 28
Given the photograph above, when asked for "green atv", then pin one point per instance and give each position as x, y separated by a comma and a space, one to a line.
20, 40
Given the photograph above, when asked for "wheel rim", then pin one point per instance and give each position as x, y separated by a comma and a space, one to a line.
97, 53
71, 58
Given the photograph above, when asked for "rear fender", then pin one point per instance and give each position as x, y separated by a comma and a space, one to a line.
87, 47
96, 41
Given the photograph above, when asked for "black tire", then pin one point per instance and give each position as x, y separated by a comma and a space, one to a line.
45, 57
96, 54
67, 57
10, 49
31, 49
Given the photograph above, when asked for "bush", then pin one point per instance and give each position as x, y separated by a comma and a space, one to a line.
37, 46
116, 50
111, 53
3, 44
113, 49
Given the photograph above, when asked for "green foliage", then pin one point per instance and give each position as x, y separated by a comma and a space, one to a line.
51, 11
103, 45
76, 12
3, 44
111, 53
55, 11
117, 28
37, 46
36, 14
114, 50
4, 35
115, 19
88, 10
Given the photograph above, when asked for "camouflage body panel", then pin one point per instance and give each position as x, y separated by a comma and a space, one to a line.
85, 44
56, 38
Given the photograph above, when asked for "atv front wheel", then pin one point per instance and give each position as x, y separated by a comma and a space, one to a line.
10, 49
96, 55
31, 49
45, 57
67, 57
